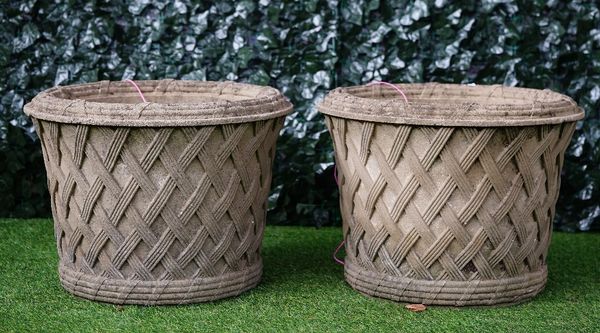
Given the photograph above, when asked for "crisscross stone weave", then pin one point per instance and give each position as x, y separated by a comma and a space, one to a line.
449, 215
426, 205
148, 210
159, 215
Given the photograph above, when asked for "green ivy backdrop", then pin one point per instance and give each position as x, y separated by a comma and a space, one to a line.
303, 48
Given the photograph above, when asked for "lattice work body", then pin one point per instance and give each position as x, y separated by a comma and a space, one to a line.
457, 215
159, 215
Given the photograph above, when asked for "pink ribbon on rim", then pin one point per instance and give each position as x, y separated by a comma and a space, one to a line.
387, 84
138, 89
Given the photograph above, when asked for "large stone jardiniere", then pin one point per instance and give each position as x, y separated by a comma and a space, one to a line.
161, 202
448, 197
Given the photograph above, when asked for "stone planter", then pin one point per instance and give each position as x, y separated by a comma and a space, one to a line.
448, 199
161, 202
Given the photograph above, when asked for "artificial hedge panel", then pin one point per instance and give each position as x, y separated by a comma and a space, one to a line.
303, 48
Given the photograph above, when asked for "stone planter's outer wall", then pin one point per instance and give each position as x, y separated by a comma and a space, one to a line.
449, 215
159, 215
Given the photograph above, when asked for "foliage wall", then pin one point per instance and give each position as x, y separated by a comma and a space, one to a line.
304, 48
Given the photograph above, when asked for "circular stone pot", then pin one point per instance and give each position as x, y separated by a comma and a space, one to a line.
448, 198
162, 202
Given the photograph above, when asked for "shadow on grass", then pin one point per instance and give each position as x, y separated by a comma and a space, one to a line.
572, 268
292, 256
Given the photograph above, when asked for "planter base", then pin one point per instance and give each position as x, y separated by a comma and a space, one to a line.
450, 293
119, 291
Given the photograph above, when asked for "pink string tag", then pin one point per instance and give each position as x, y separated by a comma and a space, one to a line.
335, 252
387, 84
138, 90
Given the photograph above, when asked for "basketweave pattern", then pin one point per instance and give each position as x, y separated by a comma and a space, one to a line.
448, 203
152, 204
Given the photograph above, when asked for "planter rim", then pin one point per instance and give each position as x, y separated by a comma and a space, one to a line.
437, 104
184, 103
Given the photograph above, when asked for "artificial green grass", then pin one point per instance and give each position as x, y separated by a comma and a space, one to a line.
302, 290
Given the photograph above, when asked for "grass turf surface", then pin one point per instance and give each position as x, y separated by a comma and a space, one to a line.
302, 290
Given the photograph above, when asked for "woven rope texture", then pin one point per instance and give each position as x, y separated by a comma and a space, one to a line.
448, 215
159, 215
